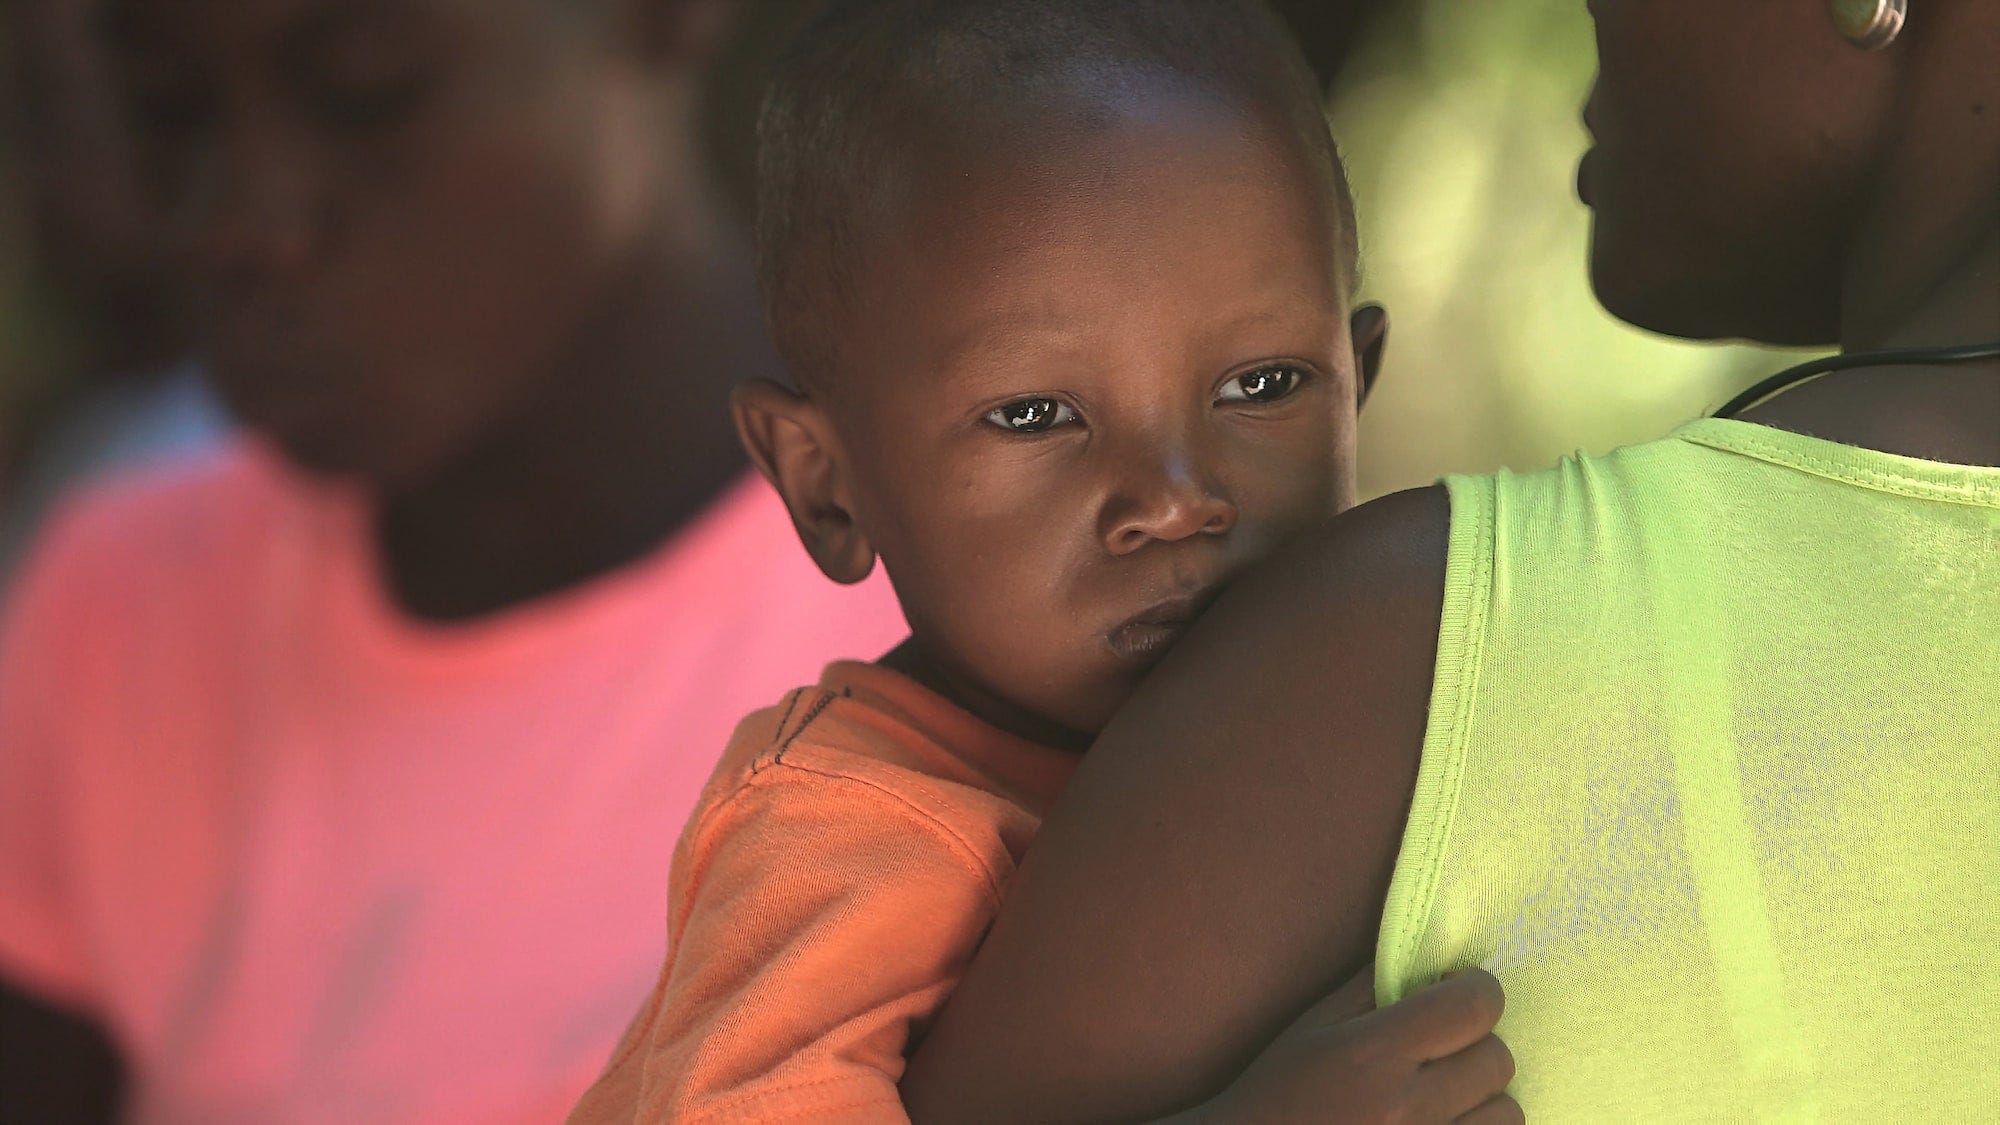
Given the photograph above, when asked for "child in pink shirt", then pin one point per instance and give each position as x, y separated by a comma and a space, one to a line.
308, 858
339, 771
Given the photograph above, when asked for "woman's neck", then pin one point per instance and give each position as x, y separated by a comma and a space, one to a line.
631, 440
1923, 271
1938, 413
1925, 263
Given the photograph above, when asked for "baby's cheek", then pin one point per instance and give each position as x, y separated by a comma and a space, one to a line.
1293, 506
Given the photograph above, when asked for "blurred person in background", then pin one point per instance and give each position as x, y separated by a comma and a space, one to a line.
340, 770
95, 244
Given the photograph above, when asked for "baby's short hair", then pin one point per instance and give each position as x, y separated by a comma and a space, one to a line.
826, 141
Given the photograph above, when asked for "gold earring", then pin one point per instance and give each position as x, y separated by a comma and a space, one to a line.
1869, 24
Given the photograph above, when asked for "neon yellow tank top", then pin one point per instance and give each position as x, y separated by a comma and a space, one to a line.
1712, 782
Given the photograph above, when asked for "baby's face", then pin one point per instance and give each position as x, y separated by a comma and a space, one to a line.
1087, 385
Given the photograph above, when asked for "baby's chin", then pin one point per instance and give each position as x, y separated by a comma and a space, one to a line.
1067, 720
1076, 718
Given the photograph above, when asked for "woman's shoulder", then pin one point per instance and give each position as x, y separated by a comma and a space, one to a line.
1370, 579
1358, 603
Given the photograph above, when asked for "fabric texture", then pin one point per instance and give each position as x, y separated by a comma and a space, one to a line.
835, 880
310, 860
1709, 781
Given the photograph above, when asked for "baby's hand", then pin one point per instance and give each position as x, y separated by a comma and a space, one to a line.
1432, 1057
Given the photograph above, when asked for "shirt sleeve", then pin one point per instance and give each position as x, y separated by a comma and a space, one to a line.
44, 647
821, 921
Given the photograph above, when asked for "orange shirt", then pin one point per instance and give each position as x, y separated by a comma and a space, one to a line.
840, 869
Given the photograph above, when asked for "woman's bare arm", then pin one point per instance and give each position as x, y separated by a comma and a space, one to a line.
1221, 858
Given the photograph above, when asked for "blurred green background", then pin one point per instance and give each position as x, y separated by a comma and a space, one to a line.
1460, 120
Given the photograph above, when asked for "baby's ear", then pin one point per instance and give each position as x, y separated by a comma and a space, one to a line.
1368, 328
792, 442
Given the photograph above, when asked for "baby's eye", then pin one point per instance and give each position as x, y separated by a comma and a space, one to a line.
1032, 415
1265, 384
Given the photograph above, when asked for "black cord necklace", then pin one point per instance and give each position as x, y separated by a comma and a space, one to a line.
1936, 357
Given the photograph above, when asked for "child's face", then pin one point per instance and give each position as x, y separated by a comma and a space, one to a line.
395, 212
1087, 384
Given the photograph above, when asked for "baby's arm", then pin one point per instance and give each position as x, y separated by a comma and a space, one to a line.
817, 920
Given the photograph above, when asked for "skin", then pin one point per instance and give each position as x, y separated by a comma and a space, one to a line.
1057, 488
465, 254
1222, 854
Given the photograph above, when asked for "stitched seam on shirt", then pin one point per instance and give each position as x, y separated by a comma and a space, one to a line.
740, 1102
791, 705
964, 850
812, 713
1464, 627
780, 739
677, 921
703, 827
1897, 484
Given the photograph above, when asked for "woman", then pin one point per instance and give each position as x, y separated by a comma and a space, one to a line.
1690, 743
339, 773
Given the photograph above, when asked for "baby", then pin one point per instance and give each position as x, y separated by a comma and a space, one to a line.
1066, 289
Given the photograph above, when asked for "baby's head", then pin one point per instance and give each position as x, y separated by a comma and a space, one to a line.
1065, 287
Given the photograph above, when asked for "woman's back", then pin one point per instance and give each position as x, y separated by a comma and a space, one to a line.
1709, 742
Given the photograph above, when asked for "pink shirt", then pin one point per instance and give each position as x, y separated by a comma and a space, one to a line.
310, 860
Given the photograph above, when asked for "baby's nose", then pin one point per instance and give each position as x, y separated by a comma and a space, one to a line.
1172, 501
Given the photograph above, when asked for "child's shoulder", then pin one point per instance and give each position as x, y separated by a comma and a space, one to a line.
866, 722
868, 745
824, 730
